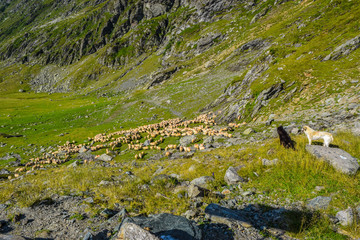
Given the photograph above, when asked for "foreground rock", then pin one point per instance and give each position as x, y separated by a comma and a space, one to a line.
247, 220
10, 237
63, 217
164, 226
338, 158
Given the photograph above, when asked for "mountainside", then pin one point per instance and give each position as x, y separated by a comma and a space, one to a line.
110, 105
230, 50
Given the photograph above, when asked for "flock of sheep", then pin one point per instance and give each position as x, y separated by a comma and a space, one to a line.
153, 135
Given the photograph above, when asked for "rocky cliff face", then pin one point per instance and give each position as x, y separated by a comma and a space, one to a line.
71, 31
64, 32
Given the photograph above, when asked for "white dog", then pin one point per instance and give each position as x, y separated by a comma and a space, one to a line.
315, 135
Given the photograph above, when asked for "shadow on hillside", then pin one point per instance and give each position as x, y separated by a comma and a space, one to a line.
5, 227
321, 144
216, 231
272, 222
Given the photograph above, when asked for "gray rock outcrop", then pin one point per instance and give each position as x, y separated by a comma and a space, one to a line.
338, 158
163, 226
4, 172
266, 95
344, 49
207, 41
232, 177
319, 202
202, 181
159, 77
346, 217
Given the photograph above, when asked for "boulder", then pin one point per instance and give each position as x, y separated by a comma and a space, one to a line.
86, 156
338, 158
208, 140
319, 202
266, 162
83, 149
131, 231
232, 177
346, 217
190, 214
4, 172
196, 191
248, 131
88, 236
105, 157
202, 181
295, 131
146, 143
162, 226
184, 141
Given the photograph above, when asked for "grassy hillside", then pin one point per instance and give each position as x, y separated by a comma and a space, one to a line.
90, 67
297, 44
